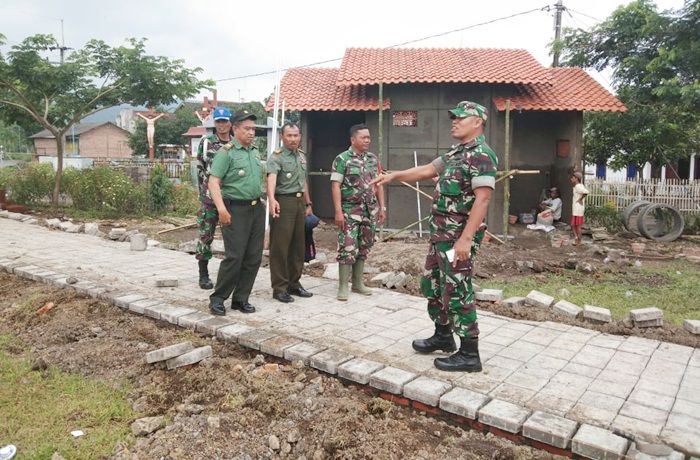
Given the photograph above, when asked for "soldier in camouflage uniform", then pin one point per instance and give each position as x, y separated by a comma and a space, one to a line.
207, 217
466, 179
358, 207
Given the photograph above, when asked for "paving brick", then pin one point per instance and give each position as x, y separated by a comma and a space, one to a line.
426, 390
655, 400
209, 326
231, 332
539, 299
549, 429
644, 451
593, 415
649, 323
302, 351
602, 401
504, 415
635, 428
167, 312
566, 308
592, 356
692, 326
276, 345
550, 403
169, 352
359, 370
514, 302
167, 282
646, 314
683, 433
140, 305
253, 339
489, 295
190, 321
329, 360
597, 313
463, 402
191, 357
598, 444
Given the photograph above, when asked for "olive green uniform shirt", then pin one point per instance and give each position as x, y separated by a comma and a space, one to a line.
290, 167
241, 171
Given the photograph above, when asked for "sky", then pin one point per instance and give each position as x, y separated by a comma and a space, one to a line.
230, 39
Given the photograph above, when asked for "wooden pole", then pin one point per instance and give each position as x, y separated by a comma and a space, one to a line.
380, 138
506, 166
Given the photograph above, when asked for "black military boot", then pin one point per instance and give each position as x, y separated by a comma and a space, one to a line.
204, 281
465, 360
441, 340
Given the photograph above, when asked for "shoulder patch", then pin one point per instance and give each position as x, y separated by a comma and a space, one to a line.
277, 152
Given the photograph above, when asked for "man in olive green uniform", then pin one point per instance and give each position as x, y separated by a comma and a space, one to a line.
289, 201
236, 184
358, 207
466, 179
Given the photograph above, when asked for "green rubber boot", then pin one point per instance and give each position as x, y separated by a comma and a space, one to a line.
344, 272
358, 284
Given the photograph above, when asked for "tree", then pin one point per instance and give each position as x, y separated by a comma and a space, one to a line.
655, 59
169, 130
56, 96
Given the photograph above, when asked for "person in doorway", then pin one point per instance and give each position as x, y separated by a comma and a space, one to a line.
207, 217
578, 207
289, 203
551, 207
236, 185
358, 207
466, 178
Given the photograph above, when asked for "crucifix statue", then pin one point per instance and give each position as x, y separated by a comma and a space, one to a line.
150, 119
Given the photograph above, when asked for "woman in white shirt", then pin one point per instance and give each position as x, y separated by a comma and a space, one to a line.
578, 208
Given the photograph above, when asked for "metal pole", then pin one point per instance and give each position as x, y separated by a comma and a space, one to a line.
506, 166
559, 7
420, 218
380, 137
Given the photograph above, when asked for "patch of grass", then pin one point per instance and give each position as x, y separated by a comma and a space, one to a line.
652, 285
41, 408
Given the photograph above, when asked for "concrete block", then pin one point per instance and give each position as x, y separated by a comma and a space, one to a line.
125, 300
166, 282
382, 276
329, 360
489, 295
91, 228
646, 314
276, 345
598, 444
539, 299
359, 370
692, 326
210, 325
463, 402
53, 223
391, 379
69, 227
139, 305
253, 339
169, 352
514, 302
649, 323
597, 313
426, 390
116, 233
167, 312
331, 271
190, 321
567, 308
302, 351
504, 415
644, 451
231, 332
550, 429
191, 357
138, 242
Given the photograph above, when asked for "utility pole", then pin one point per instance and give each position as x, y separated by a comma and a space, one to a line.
62, 48
558, 8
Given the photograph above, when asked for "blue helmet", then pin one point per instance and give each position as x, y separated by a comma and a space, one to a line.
222, 113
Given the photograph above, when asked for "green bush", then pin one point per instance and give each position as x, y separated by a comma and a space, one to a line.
7, 175
692, 225
185, 200
104, 191
605, 216
32, 184
161, 190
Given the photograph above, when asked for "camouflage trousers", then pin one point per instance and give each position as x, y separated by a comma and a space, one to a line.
207, 218
449, 289
357, 238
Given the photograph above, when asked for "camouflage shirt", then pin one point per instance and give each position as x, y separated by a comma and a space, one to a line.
460, 171
204, 164
355, 171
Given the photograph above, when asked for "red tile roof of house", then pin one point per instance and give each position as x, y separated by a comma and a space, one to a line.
316, 89
195, 131
369, 66
571, 89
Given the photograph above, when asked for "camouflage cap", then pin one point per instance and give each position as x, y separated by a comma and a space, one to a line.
469, 109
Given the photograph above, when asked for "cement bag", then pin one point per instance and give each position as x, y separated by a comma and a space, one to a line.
545, 218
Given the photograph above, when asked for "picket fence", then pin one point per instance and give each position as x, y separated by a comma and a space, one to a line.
682, 194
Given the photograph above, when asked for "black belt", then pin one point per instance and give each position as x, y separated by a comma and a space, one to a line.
296, 195
251, 202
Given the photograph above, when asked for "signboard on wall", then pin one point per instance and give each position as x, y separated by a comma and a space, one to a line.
405, 118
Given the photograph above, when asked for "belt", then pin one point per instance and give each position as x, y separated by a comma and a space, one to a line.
251, 202
297, 194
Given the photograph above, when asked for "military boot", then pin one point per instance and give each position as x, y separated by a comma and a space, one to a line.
204, 280
358, 284
441, 340
465, 360
344, 272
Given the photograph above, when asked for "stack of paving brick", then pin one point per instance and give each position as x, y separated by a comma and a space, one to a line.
647, 317
178, 355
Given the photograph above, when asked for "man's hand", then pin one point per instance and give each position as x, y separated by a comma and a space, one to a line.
340, 220
381, 217
274, 208
381, 180
224, 216
309, 211
463, 250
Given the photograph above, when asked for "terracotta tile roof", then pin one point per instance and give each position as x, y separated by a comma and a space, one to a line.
369, 66
317, 89
571, 88
195, 131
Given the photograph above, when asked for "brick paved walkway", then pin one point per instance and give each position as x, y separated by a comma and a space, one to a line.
547, 380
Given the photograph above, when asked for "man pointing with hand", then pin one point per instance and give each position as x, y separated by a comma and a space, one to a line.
466, 177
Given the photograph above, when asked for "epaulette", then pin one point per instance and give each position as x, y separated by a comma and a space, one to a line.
227, 146
301, 151
277, 152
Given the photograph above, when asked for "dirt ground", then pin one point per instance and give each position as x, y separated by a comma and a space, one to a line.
233, 405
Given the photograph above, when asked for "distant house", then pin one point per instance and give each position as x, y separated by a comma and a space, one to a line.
419, 86
89, 140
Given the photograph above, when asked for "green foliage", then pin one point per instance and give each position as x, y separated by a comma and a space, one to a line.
161, 190
185, 200
31, 184
692, 225
605, 216
13, 139
169, 130
7, 175
104, 191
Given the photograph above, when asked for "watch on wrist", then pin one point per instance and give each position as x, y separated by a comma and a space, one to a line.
309, 204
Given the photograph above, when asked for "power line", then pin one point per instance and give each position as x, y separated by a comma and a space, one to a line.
584, 14
461, 29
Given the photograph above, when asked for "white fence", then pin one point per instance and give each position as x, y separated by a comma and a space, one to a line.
682, 194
